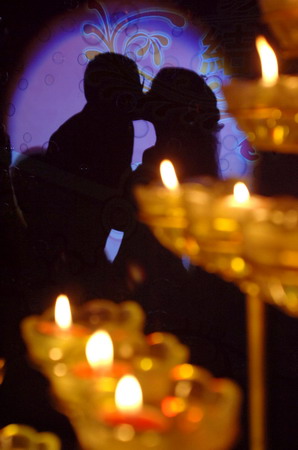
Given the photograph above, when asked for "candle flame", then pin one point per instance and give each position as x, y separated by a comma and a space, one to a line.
268, 61
128, 395
241, 193
100, 350
168, 175
63, 313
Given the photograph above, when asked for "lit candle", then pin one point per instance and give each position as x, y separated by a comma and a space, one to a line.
63, 325
226, 211
129, 408
268, 62
168, 175
220, 234
50, 340
63, 317
266, 109
230, 211
100, 358
100, 350
162, 210
241, 195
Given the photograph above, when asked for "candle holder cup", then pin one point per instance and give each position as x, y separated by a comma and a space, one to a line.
271, 247
47, 344
198, 411
282, 18
216, 226
163, 212
16, 437
268, 114
211, 235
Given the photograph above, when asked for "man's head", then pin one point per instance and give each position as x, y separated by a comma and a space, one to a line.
113, 79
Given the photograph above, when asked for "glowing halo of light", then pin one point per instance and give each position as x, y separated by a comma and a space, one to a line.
54, 69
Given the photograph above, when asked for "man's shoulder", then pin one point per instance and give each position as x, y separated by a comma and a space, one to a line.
70, 124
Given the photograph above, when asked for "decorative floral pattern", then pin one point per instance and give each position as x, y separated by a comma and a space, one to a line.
139, 42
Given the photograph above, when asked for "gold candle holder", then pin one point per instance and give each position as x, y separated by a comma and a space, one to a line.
179, 403
163, 211
268, 114
15, 437
266, 109
197, 412
282, 18
49, 345
162, 208
271, 247
216, 226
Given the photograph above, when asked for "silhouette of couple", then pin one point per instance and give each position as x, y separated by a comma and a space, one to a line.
82, 178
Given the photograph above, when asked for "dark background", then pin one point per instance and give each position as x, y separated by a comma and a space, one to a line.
235, 24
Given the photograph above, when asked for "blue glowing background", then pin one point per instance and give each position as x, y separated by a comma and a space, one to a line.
49, 88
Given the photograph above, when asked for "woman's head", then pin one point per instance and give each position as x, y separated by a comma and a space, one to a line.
182, 96
184, 110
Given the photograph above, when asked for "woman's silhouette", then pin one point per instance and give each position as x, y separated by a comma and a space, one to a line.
184, 112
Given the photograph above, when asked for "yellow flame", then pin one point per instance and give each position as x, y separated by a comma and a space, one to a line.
100, 350
168, 175
241, 193
128, 395
62, 312
268, 61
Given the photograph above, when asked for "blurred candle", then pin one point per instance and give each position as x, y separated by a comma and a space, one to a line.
130, 409
168, 175
268, 62
63, 316
229, 211
128, 395
62, 326
241, 193
99, 352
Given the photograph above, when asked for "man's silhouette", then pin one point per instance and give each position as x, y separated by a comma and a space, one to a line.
97, 143
79, 177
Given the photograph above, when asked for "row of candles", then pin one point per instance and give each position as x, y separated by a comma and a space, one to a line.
122, 389
221, 226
